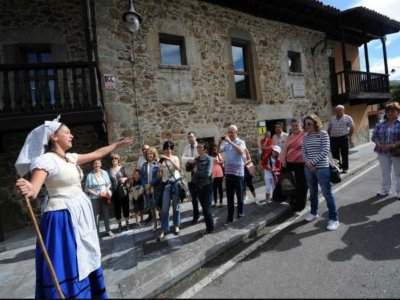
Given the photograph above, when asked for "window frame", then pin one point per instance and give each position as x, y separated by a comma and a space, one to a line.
295, 58
245, 46
177, 40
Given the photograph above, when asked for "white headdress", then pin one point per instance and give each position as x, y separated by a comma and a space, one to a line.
34, 144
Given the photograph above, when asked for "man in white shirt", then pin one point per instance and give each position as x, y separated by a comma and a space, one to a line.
279, 138
188, 156
340, 130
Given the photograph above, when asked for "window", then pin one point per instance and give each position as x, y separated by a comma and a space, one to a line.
243, 74
294, 62
241, 70
172, 49
42, 56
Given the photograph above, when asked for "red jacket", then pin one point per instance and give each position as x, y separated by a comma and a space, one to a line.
276, 169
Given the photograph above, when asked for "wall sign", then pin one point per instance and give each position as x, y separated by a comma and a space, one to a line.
109, 82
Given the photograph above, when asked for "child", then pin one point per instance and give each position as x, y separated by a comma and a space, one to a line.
136, 194
272, 167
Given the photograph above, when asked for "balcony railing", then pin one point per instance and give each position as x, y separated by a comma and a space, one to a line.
49, 87
359, 82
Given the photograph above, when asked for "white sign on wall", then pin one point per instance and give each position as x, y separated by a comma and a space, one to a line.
109, 82
298, 88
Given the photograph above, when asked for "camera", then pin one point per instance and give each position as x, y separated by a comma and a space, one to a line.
161, 160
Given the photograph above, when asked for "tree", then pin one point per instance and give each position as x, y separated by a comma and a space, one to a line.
395, 92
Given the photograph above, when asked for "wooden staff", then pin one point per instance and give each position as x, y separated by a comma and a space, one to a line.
44, 251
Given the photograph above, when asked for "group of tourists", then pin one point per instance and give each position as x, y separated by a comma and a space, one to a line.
69, 225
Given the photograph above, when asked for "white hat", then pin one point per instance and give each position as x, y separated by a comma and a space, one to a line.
34, 144
276, 148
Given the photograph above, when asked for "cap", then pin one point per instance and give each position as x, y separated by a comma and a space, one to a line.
276, 148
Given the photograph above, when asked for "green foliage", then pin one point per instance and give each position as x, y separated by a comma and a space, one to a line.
395, 92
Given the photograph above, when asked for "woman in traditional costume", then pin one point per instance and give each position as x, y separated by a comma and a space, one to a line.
67, 224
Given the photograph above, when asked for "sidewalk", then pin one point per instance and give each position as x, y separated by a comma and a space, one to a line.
137, 266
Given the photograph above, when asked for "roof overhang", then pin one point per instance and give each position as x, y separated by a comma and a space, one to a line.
357, 25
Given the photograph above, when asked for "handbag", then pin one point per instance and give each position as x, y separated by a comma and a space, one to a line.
334, 173
251, 168
287, 183
106, 197
183, 191
136, 191
395, 151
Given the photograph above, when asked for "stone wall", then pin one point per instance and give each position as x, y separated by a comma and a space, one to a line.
58, 23
154, 102
173, 100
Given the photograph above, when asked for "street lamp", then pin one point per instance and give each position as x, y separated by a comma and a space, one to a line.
327, 50
132, 21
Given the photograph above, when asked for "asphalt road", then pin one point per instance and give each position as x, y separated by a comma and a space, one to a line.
304, 260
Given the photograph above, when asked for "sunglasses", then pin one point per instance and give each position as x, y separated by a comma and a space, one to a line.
308, 124
114, 158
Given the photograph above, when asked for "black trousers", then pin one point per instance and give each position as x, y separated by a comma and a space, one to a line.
301, 185
217, 189
195, 200
340, 150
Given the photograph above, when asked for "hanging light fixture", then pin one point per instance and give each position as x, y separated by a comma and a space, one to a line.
327, 49
131, 18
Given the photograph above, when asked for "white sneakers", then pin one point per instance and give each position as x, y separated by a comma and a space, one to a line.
310, 217
256, 201
332, 225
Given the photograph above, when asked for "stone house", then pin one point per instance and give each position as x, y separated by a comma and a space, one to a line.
192, 65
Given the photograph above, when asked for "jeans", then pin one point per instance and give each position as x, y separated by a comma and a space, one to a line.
234, 184
205, 199
340, 150
170, 192
321, 176
195, 200
386, 161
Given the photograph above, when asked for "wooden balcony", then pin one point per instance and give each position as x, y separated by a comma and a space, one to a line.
33, 93
356, 87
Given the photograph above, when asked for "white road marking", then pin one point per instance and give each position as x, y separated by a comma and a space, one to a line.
189, 293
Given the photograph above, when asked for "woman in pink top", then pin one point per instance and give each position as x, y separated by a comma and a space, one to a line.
217, 175
292, 160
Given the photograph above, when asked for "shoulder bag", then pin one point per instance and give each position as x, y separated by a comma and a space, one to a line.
183, 191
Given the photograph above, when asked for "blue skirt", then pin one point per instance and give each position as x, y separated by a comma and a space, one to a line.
59, 239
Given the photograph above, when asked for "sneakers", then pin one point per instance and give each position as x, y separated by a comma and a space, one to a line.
246, 198
110, 233
310, 217
332, 225
256, 201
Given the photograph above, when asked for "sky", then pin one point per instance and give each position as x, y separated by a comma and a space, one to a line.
391, 9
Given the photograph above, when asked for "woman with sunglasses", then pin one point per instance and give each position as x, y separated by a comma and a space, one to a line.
315, 150
386, 136
169, 172
120, 195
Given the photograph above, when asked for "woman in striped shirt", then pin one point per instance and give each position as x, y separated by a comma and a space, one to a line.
315, 150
